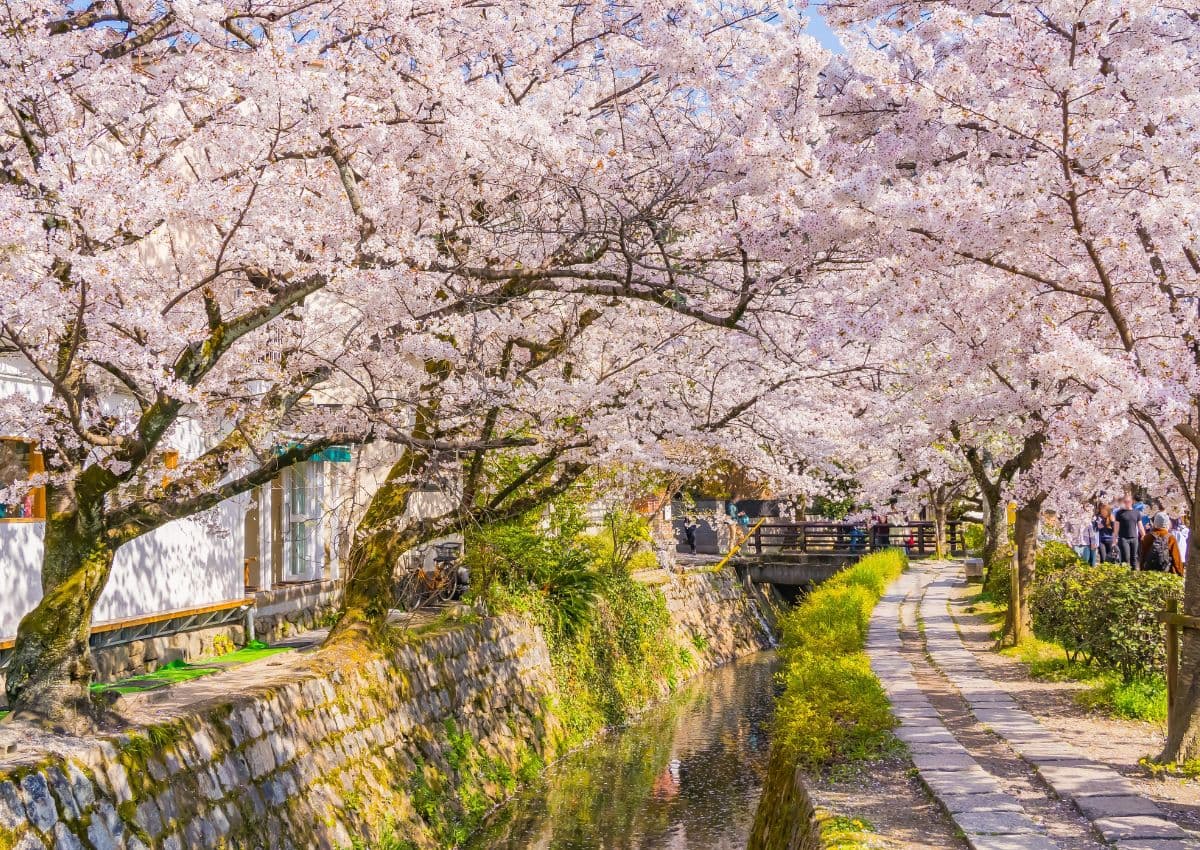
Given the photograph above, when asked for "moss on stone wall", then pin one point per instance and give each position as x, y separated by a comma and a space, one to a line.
408, 747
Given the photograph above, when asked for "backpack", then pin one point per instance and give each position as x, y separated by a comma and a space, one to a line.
1159, 559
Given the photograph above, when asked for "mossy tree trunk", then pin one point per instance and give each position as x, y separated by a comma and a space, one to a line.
383, 536
51, 669
1026, 532
995, 524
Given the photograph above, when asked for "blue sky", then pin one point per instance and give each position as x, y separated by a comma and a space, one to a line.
821, 31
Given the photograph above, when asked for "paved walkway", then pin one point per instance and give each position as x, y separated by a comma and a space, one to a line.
1007, 782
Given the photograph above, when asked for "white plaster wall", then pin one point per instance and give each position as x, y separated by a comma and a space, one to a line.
184, 564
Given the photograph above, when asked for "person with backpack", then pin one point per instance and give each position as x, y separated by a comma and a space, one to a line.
1158, 552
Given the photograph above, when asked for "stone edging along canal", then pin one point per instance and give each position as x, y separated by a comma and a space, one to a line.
340, 749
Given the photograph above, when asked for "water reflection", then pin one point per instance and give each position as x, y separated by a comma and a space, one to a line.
687, 776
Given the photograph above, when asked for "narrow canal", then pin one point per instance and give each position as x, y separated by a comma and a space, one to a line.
686, 776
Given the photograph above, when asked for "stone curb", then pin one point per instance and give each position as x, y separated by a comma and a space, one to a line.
1125, 819
989, 817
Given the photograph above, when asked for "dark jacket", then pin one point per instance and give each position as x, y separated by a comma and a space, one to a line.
1148, 543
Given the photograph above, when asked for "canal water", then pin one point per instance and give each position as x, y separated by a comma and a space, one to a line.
686, 776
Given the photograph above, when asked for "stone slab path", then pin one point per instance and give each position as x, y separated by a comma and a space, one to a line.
980, 799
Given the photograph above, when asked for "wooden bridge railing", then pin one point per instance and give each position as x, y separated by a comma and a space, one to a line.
840, 538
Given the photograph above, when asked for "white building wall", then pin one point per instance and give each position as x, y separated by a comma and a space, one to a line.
185, 564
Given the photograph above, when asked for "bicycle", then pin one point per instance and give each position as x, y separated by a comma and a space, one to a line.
445, 581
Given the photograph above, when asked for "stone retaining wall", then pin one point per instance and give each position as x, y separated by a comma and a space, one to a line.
712, 614
344, 750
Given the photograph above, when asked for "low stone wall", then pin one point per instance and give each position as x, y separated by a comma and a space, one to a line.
148, 654
288, 610
341, 750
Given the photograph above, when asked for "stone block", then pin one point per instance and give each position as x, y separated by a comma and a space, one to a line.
100, 836
30, 841
1084, 780
260, 758
61, 788
209, 784
118, 782
203, 742
81, 787
12, 810
108, 816
995, 823
1137, 826
1094, 808
148, 818
955, 803
39, 805
168, 807
65, 839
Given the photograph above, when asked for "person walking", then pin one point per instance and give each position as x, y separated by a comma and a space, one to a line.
1158, 552
689, 533
1181, 533
1083, 535
1106, 532
1129, 532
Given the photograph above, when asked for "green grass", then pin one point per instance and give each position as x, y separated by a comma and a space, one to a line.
833, 710
1143, 698
182, 671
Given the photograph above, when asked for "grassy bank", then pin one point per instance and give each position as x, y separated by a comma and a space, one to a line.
833, 709
833, 712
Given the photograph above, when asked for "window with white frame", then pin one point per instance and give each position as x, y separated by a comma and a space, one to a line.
303, 491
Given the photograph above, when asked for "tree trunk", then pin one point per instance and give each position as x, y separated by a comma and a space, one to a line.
1026, 533
1183, 724
382, 537
995, 524
940, 511
51, 670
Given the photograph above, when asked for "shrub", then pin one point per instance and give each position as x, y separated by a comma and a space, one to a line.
1053, 556
973, 538
1105, 615
610, 638
998, 580
833, 709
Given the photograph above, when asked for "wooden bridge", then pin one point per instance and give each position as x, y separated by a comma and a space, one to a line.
806, 553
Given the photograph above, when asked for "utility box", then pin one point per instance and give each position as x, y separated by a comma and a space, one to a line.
973, 567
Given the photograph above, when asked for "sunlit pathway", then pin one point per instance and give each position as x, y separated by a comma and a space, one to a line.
1007, 781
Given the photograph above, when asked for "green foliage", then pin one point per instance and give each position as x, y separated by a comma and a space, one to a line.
998, 579
839, 832
1105, 615
973, 537
609, 636
516, 558
1142, 698
1053, 555
833, 709
624, 535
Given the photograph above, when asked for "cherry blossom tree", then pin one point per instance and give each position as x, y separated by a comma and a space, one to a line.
1054, 145
213, 215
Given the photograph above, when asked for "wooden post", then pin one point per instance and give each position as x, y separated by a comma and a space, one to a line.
758, 539
1172, 655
